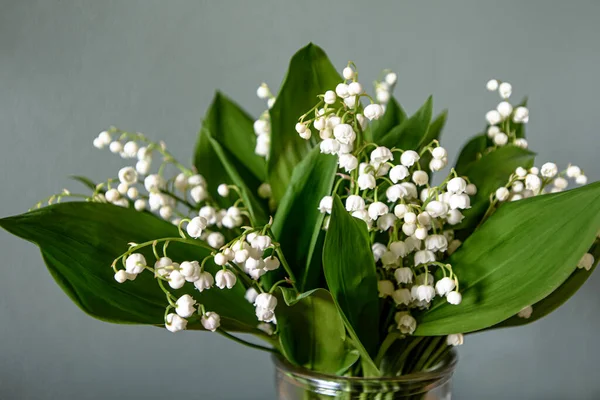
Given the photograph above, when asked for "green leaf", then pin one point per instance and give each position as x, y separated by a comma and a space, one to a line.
312, 333
524, 252
489, 173
310, 73
79, 242
471, 152
244, 181
225, 152
87, 182
351, 275
233, 128
297, 223
410, 133
394, 115
557, 297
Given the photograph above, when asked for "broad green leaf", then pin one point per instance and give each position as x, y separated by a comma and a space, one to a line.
79, 242
409, 134
297, 223
233, 128
394, 115
312, 333
558, 297
351, 275
225, 153
310, 73
524, 252
471, 152
244, 181
489, 173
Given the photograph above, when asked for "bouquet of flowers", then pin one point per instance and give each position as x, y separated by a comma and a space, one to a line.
320, 228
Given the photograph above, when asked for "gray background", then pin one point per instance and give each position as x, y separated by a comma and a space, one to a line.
68, 69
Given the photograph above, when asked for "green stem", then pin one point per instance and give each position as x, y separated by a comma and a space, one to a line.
245, 343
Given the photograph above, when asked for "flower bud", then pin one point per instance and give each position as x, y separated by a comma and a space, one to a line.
521, 115
561, 183
409, 229
421, 233
225, 278
223, 190
176, 280
263, 91
533, 182
493, 117
190, 270
382, 95
121, 276
492, 85
493, 131
116, 147
211, 321
410, 217
140, 205
355, 88
329, 97
400, 210
348, 73
174, 323
505, 109
581, 180
250, 295
500, 139
505, 90
454, 298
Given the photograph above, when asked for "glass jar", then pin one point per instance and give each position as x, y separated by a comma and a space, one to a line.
296, 383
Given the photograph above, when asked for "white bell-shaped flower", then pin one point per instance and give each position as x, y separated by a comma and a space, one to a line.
444, 286
135, 263
402, 296
250, 295
196, 226
366, 181
373, 111
225, 279
211, 321
409, 157
344, 133
404, 275
176, 279
454, 297
425, 293
424, 257
398, 173
185, 306
455, 339
266, 301
205, 281
436, 243
174, 323
460, 201
355, 203
526, 312
326, 204
586, 262
405, 322
377, 209
381, 155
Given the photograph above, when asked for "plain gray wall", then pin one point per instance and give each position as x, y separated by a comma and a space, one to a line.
68, 69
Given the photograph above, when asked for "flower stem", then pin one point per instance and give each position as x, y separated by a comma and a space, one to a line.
245, 343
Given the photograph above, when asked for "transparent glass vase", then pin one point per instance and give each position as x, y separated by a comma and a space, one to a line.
295, 383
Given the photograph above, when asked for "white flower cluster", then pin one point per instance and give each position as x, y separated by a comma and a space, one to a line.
501, 130
525, 183
262, 126
252, 253
390, 191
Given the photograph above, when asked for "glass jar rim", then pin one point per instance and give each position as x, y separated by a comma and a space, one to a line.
444, 370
